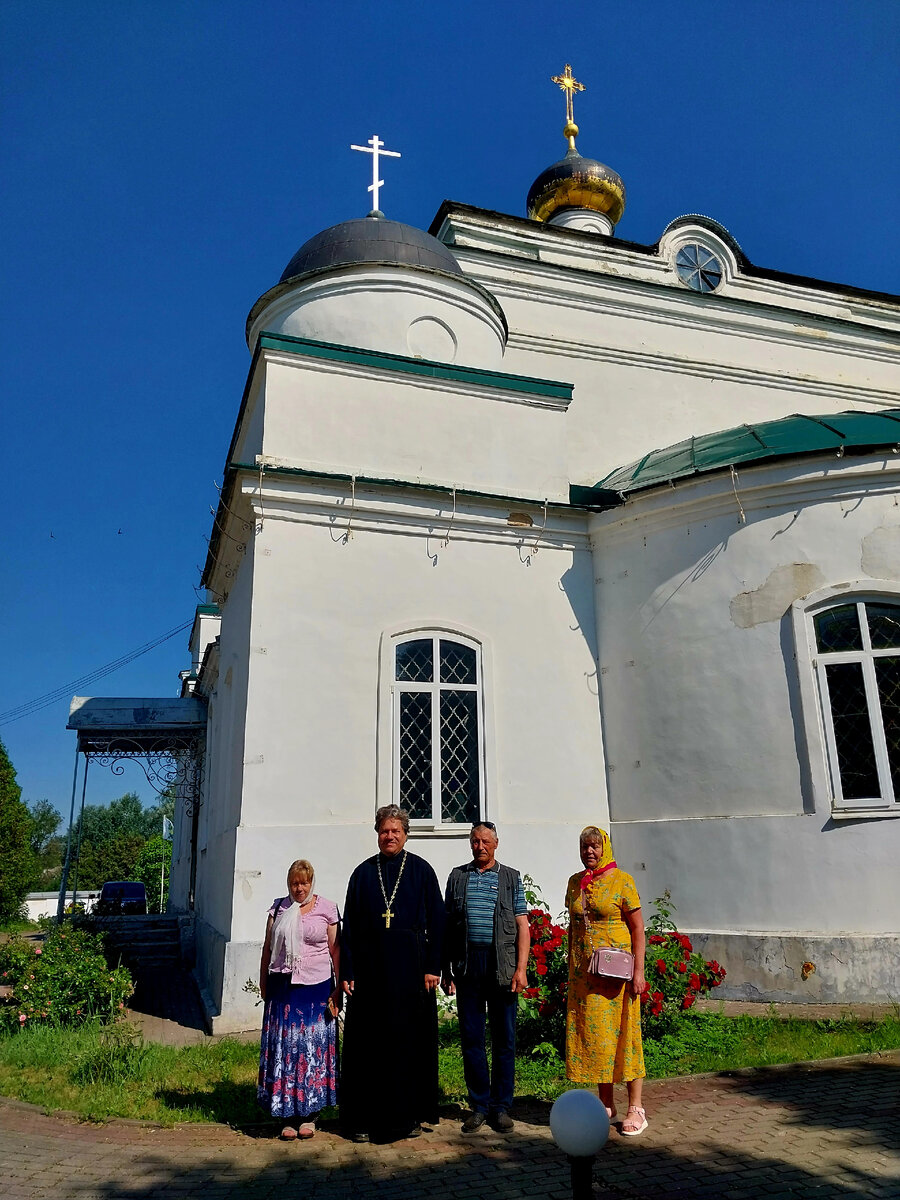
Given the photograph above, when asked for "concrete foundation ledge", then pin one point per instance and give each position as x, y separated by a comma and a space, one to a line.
800, 968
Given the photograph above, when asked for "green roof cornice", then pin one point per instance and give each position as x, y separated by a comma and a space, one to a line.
381, 361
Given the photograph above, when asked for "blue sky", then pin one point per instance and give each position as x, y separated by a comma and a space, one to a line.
164, 160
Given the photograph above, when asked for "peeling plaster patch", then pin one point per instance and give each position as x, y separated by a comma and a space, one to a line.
770, 601
881, 553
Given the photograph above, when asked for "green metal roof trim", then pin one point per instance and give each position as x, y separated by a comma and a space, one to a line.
784, 438
415, 366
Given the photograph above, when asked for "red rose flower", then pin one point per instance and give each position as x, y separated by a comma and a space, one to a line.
655, 939
682, 967
688, 1000
661, 966
542, 969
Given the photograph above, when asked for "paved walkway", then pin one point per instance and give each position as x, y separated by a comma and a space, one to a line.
827, 1130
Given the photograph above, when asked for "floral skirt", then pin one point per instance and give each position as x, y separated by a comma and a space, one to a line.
298, 1051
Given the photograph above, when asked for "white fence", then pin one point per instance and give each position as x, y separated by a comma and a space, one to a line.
44, 904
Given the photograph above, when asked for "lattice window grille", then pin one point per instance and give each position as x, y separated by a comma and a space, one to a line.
438, 729
856, 650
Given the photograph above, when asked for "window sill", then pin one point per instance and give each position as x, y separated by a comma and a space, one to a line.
854, 814
440, 831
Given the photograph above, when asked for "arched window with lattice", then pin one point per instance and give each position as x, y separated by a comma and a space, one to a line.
438, 737
856, 658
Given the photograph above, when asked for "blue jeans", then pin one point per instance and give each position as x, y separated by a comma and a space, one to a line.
477, 993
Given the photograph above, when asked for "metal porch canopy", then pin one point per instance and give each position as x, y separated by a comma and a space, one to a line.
129, 725
164, 736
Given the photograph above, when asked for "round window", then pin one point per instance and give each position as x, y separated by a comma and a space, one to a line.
697, 268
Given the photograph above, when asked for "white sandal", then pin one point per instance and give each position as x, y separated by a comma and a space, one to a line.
641, 1121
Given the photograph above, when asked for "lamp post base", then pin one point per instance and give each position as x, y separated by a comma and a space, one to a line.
582, 1175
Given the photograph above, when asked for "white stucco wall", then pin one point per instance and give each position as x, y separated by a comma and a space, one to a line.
342, 418
395, 310
314, 766
712, 758
653, 362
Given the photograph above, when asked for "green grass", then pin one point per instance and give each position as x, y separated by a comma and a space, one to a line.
100, 1073
714, 1042
19, 925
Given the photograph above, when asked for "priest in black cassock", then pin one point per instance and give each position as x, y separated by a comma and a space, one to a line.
391, 943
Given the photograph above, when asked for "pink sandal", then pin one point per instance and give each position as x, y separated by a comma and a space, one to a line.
308, 1129
288, 1133
639, 1122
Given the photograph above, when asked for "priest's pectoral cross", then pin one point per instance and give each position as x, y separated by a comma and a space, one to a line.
387, 918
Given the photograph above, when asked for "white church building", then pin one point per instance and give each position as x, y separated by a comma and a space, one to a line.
525, 522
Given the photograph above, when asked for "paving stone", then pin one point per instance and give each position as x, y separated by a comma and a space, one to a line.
823, 1130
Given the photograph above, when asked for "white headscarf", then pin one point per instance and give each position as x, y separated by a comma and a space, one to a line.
287, 936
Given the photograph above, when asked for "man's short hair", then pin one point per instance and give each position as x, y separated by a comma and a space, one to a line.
485, 825
391, 812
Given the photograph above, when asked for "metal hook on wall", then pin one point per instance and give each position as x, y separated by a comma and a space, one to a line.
348, 532
534, 548
446, 541
742, 516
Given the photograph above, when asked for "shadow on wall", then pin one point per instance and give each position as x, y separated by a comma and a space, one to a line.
754, 1154
578, 585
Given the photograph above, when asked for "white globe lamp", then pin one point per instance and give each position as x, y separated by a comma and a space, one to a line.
580, 1127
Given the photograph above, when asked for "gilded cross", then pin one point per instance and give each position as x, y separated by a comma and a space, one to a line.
569, 85
387, 918
374, 147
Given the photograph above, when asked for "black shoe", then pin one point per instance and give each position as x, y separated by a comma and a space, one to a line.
473, 1123
502, 1122
416, 1131
359, 1136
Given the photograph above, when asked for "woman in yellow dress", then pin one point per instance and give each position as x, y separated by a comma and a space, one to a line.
603, 1015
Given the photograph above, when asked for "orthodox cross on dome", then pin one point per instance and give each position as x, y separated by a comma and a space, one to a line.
374, 148
570, 85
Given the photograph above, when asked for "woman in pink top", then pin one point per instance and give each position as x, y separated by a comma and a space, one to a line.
300, 960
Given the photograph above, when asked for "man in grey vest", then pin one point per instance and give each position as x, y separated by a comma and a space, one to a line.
486, 953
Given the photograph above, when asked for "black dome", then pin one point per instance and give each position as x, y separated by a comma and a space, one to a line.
371, 240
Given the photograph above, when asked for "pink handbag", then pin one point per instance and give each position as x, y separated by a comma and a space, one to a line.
606, 961
612, 964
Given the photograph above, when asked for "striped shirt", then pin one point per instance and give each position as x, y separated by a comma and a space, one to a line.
481, 900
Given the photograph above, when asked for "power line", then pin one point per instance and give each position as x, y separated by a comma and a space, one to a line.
68, 689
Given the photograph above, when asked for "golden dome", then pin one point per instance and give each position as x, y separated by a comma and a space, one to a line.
576, 182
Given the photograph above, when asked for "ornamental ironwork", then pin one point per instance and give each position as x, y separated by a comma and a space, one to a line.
174, 760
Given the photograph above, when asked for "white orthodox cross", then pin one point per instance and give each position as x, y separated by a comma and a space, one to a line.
375, 149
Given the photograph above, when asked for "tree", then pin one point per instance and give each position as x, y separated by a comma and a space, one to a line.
45, 821
48, 848
152, 869
115, 858
126, 815
112, 836
17, 861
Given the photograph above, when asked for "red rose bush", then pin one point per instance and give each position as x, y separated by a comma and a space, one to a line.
542, 1021
676, 974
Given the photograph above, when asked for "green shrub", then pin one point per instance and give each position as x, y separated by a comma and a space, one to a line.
675, 973
63, 981
542, 1022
